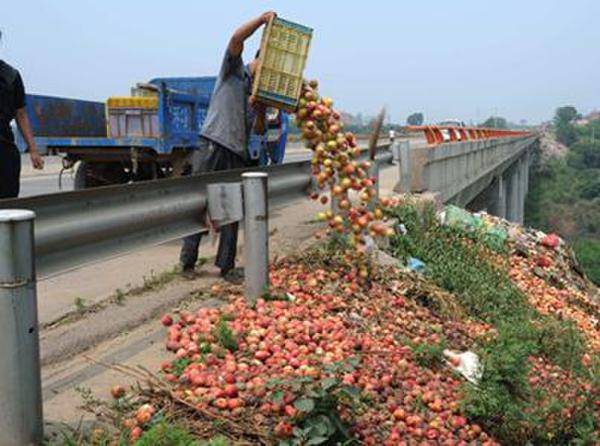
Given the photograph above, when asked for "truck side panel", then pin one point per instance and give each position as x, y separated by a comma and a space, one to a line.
183, 103
54, 117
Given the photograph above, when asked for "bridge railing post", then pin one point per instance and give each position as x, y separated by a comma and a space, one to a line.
256, 234
21, 420
404, 166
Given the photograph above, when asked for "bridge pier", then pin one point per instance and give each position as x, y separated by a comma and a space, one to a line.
512, 197
521, 202
517, 179
526, 158
497, 204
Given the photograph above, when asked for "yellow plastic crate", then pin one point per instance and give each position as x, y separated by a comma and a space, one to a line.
132, 102
283, 53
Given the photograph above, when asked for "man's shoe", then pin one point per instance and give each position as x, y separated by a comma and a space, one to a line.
189, 273
234, 276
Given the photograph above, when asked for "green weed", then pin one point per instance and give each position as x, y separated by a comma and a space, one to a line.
225, 336
502, 400
165, 434
80, 305
318, 402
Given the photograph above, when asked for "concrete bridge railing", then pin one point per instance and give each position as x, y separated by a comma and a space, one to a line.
461, 172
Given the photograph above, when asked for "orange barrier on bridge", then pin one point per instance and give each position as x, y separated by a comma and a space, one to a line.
439, 134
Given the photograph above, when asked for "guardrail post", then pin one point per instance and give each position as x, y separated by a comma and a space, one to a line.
256, 237
399, 145
392, 150
395, 149
21, 420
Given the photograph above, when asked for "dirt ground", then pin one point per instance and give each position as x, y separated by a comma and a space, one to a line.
86, 320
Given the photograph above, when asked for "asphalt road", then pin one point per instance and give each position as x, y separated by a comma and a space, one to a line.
47, 180
49, 183
45, 184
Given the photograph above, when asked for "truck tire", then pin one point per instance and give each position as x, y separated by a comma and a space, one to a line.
89, 175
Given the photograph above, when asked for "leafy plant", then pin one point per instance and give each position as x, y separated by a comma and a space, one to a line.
563, 194
179, 365
166, 434
225, 336
485, 291
80, 305
318, 402
561, 341
268, 297
429, 355
94, 436
495, 122
119, 296
503, 399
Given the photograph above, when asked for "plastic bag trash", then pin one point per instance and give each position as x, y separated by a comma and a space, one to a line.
460, 218
466, 363
400, 229
551, 241
416, 265
442, 217
478, 222
495, 237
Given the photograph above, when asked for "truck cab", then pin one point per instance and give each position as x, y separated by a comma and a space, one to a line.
150, 134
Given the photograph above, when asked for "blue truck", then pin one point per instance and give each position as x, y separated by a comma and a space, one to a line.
120, 145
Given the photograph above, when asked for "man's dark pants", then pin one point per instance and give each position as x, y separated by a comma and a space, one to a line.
220, 158
10, 171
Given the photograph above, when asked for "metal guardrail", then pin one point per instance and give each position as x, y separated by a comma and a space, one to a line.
436, 134
81, 227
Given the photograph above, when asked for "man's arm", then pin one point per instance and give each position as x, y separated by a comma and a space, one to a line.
236, 44
25, 128
260, 122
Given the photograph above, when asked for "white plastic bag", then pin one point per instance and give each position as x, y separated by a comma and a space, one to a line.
466, 363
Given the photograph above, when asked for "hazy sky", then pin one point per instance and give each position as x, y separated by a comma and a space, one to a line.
449, 59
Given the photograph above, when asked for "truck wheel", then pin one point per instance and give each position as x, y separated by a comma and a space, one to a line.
149, 171
90, 175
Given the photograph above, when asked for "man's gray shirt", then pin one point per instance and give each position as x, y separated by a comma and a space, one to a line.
227, 118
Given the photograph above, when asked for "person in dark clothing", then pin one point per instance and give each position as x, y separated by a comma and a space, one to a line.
232, 116
12, 106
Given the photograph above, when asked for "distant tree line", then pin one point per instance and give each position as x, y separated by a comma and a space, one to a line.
495, 122
565, 193
415, 119
563, 124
